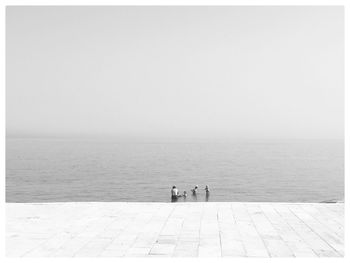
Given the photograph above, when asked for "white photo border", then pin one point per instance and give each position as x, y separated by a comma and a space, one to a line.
344, 3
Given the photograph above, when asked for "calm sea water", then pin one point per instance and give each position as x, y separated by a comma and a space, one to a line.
52, 170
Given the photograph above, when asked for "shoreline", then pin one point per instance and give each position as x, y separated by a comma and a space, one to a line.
179, 202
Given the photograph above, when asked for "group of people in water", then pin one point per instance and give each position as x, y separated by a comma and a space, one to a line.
175, 195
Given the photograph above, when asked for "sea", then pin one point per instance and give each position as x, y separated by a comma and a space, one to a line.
113, 170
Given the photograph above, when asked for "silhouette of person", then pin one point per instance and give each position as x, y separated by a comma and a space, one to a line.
207, 193
174, 194
184, 196
194, 193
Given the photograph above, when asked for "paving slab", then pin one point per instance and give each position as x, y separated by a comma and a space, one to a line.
193, 229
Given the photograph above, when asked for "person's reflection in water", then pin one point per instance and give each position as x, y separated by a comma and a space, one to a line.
174, 194
207, 193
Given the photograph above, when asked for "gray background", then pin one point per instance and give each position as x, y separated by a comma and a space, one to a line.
204, 72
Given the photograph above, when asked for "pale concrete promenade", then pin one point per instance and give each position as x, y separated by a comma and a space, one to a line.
175, 230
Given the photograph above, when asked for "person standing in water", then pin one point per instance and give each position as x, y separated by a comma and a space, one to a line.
194, 193
207, 193
195, 190
184, 196
174, 194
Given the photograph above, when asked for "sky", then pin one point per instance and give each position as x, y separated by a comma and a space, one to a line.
192, 72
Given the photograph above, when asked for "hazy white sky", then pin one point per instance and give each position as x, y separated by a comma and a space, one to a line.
236, 72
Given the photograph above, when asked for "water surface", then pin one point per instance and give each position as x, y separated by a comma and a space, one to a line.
52, 170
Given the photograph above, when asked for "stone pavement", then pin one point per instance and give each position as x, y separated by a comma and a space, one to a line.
226, 229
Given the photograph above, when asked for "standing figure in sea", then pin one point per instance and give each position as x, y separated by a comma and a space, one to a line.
184, 196
174, 194
194, 193
207, 193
